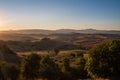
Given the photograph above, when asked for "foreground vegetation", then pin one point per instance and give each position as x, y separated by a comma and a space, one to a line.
103, 61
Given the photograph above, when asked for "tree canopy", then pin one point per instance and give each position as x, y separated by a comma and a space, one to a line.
30, 67
104, 60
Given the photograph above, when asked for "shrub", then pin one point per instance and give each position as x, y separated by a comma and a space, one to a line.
104, 60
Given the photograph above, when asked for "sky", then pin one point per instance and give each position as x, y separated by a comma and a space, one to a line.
60, 14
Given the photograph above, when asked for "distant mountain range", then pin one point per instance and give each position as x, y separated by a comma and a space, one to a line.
64, 31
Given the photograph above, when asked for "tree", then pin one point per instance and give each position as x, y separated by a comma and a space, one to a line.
104, 60
30, 67
9, 71
56, 51
1, 73
79, 69
45, 39
48, 69
67, 70
65, 66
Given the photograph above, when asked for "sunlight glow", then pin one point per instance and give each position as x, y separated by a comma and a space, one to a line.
1, 23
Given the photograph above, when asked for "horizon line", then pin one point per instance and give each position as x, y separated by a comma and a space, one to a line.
58, 29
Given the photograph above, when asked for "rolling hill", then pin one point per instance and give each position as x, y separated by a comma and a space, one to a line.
64, 39
41, 31
8, 55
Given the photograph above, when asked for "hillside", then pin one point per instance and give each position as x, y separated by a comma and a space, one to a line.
15, 37
41, 31
64, 39
8, 55
37, 42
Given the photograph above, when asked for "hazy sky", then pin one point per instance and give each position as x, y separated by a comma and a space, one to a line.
59, 14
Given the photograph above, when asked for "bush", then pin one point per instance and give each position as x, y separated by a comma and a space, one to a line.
30, 67
48, 69
9, 71
104, 60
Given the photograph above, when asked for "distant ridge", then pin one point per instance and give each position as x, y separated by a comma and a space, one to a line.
64, 31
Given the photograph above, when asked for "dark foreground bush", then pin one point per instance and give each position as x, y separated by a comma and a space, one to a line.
9, 71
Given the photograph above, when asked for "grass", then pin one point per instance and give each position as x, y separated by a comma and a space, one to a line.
63, 52
30, 52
